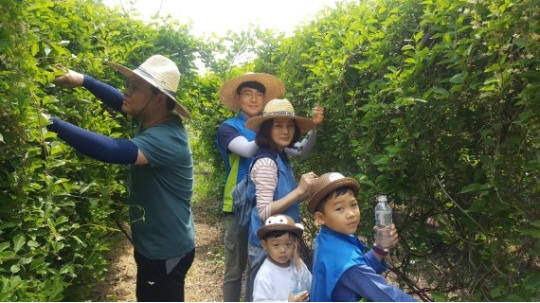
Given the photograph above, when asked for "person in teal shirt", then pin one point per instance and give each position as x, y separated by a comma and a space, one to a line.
160, 163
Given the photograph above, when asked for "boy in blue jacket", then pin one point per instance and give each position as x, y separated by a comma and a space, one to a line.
341, 270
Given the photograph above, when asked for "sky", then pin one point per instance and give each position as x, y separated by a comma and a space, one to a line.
219, 16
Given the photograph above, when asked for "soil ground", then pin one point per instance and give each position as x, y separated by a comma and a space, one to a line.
205, 277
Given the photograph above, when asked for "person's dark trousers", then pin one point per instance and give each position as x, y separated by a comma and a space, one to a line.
153, 282
235, 241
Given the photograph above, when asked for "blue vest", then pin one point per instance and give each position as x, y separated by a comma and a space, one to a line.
334, 254
286, 183
236, 167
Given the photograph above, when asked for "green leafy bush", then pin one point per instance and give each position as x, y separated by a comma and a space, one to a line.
57, 206
436, 104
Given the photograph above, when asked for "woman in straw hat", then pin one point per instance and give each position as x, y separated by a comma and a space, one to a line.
246, 94
272, 184
158, 154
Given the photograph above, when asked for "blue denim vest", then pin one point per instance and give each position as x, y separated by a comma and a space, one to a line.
286, 183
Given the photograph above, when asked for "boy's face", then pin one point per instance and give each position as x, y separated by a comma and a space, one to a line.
251, 101
340, 213
280, 249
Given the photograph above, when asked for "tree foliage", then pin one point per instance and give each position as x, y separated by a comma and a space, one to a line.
432, 102
57, 206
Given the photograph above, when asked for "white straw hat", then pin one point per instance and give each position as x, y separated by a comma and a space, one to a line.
160, 72
277, 108
274, 88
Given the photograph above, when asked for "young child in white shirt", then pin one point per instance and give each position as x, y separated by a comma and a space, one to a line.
283, 276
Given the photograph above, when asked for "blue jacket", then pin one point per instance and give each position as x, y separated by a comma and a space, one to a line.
236, 167
334, 254
286, 183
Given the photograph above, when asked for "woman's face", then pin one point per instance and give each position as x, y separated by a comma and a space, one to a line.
282, 132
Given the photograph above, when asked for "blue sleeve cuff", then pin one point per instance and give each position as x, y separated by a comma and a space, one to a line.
372, 261
111, 96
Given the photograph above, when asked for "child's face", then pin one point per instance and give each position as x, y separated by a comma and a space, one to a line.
280, 249
341, 213
283, 132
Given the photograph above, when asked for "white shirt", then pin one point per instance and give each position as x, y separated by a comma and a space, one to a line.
275, 283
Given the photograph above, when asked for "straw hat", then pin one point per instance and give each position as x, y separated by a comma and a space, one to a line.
326, 184
277, 108
274, 88
161, 73
280, 223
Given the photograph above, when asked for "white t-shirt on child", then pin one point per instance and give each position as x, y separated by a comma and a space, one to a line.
274, 283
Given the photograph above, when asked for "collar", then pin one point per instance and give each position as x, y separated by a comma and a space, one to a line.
242, 116
347, 237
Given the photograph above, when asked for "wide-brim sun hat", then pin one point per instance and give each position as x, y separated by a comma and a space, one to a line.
280, 223
274, 88
160, 72
279, 108
326, 184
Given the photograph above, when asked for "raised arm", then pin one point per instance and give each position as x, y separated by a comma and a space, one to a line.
303, 148
110, 96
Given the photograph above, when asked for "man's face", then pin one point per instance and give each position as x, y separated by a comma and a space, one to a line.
282, 132
251, 101
341, 213
137, 94
280, 249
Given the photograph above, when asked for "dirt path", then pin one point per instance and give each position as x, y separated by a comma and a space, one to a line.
205, 277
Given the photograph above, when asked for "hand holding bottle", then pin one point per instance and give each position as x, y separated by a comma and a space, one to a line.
386, 237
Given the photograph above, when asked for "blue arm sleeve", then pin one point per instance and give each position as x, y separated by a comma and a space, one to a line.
111, 96
95, 145
361, 281
372, 261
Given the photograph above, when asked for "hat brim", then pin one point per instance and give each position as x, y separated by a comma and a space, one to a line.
304, 124
279, 227
179, 108
330, 187
274, 88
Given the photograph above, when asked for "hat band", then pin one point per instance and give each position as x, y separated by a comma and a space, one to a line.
146, 74
281, 113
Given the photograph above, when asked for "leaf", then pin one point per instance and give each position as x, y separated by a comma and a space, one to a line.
44, 120
535, 233
536, 223
15, 268
458, 78
18, 242
407, 47
4, 246
32, 243
439, 297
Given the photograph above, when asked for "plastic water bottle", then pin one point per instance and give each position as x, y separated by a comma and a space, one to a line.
383, 212
383, 218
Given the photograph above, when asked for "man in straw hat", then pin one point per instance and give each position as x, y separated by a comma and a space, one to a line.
342, 272
246, 95
160, 173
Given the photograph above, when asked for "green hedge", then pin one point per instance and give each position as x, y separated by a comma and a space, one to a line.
436, 104
57, 206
